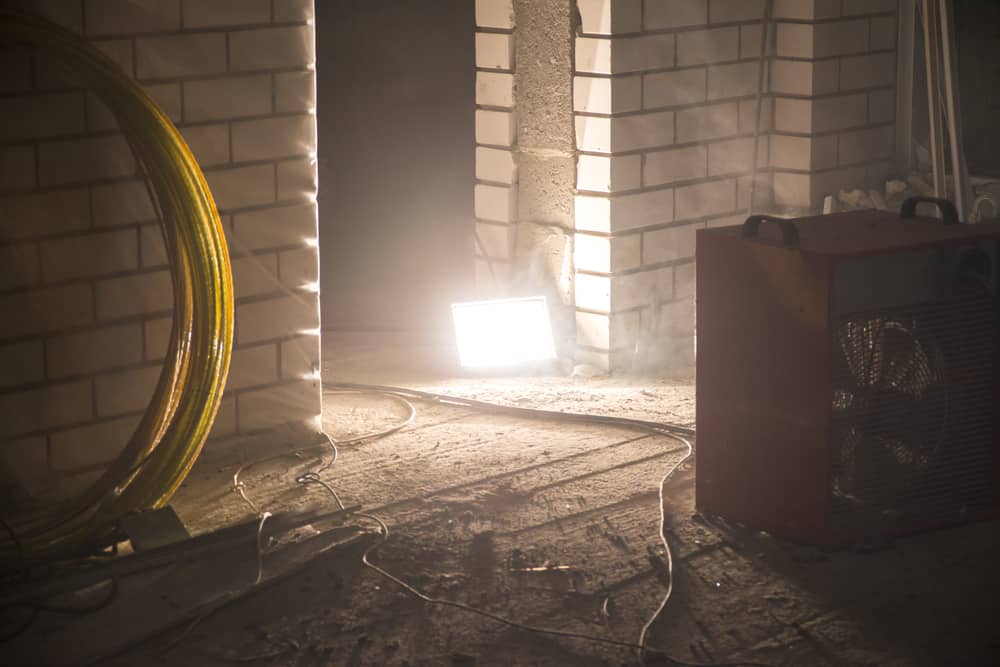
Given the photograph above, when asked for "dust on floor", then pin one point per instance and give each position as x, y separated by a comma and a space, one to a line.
473, 500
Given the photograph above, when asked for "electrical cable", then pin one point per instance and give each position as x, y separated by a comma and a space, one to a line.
187, 395
674, 431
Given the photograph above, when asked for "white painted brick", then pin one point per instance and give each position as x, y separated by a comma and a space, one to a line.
641, 131
292, 10
635, 290
275, 406
240, 187
854, 7
593, 54
254, 275
599, 359
748, 114
44, 408
130, 17
180, 55
866, 145
733, 155
209, 143
802, 77
699, 47
223, 13
122, 204
275, 318
806, 9
228, 97
684, 280
270, 138
675, 13
633, 54
732, 11
82, 160
21, 363
669, 244
494, 203
593, 292
497, 165
225, 419
41, 116
623, 213
253, 367
708, 122
126, 391
593, 330
271, 48
604, 254
495, 14
295, 91
152, 249
96, 350
494, 51
605, 17
882, 106
168, 97
42, 310
91, 445
883, 33
97, 254
664, 89
17, 167
25, 463
300, 356
279, 227
679, 164
118, 50
297, 180
792, 189
157, 337
496, 239
495, 127
822, 40
607, 95
803, 153
705, 199
733, 80
621, 55
298, 267
16, 62
42, 214
608, 174
750, 36
820, 115
494, 89
19, 266
593, 134
762, 192
868, 71
134, 295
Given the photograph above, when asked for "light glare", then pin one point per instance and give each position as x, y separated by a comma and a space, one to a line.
505, 332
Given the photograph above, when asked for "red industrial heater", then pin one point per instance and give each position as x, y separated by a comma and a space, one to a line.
848, 374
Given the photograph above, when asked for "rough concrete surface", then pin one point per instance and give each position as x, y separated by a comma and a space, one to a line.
555, 524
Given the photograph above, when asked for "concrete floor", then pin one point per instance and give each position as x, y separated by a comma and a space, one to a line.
472, 497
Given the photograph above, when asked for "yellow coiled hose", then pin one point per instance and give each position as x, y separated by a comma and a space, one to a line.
171, 433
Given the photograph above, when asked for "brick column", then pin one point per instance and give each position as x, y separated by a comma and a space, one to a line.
834, 78
664, 98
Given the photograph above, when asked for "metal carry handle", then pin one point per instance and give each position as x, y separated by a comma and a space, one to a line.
949, 215
789, 234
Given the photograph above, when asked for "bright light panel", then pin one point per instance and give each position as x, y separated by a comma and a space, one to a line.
505, 332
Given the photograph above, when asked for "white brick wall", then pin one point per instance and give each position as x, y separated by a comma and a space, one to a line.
664, 110
84, 285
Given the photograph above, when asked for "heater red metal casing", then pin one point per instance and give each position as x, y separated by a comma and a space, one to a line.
847, 375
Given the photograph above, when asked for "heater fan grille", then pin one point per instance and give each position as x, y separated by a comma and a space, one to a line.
911, 422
